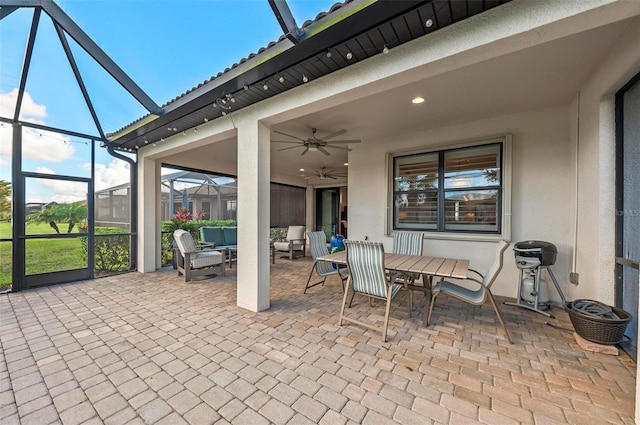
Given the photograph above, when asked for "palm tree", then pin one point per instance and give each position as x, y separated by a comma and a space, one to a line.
73, 214
45, 215
63, 213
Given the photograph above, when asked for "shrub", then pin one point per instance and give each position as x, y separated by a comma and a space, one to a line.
111, 250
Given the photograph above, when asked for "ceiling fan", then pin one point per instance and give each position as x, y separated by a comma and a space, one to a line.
325, 173
315, 143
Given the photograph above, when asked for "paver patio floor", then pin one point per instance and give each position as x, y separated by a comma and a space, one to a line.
136, 348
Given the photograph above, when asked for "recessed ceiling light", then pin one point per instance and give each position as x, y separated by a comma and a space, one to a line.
302, 169
417, 100
345, 164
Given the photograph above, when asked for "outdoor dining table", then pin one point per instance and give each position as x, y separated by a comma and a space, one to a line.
419, 264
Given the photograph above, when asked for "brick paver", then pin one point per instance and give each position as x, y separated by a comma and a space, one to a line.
135, 349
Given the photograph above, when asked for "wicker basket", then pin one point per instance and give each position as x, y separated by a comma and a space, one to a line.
599, 330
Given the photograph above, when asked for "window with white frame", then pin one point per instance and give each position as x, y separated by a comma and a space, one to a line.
457, 190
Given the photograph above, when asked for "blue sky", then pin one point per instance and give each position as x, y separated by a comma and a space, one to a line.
166, 47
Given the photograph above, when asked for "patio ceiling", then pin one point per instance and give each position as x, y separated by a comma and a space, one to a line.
542, 76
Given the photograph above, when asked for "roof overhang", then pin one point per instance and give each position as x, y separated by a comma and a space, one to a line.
351, 32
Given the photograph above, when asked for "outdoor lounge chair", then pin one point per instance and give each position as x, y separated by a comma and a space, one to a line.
365, 261
318, 247
295, 243
194, 261
478, 296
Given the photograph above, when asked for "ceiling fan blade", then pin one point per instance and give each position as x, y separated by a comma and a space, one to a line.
306, 149
332, 135
343, 141
288, 141
290, 147
288, 135
331, 176
337, 147
323, 151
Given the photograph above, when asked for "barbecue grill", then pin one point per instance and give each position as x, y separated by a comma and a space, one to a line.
531, 258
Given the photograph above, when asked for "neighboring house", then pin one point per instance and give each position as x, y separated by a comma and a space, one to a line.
216, 195
32, 207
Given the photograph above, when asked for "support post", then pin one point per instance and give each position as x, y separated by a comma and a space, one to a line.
254, 169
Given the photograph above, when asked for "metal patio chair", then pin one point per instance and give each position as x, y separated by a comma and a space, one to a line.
318, 247
409, 243
365, 261
478, 296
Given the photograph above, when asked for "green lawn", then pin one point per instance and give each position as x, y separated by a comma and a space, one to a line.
42, 255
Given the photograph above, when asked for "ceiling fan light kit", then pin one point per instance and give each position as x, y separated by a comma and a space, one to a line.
314, 143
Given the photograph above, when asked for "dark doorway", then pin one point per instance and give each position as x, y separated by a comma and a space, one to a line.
331, 211
628, 206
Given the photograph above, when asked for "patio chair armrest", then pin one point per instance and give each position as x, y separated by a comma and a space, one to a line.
206, 245
477, 272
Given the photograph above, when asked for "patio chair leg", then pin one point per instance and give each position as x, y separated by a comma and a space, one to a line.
433, 301
410, 301
320, 282
495, 307
386, 317
352, 294
344, 303
343, 281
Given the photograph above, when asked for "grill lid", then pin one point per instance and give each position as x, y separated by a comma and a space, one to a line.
546, 252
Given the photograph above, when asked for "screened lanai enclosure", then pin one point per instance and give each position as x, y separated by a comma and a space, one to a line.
62, 217
204, 195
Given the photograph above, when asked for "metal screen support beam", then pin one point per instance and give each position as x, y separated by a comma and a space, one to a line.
100, 56
6, 11
286, 20
27, 62
76, 72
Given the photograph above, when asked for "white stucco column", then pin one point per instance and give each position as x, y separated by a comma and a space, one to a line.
254, 170
311, 208
149, 241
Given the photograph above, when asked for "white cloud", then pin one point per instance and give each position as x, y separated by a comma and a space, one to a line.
61, 191
112, 174
30, 110
37, 145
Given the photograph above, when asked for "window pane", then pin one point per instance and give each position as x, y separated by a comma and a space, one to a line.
52, 153
55, 206
416, 210
112, 207
54, 255
472, 167
471, 210
416, 172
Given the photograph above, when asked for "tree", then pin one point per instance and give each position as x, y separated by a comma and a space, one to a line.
73, 214
46, 215
63, 213
5, 203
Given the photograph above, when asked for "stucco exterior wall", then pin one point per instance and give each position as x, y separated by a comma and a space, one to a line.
541, 188
596, 250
